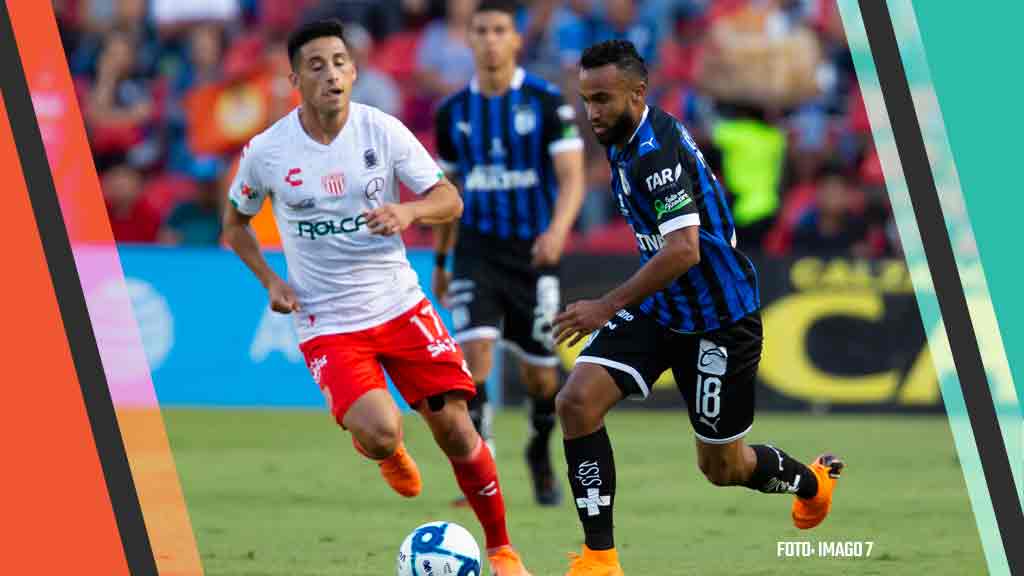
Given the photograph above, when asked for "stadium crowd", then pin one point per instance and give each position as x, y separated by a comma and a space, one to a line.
171, 90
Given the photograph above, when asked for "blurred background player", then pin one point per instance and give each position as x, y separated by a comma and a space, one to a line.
330, 169
510, 142
693, 307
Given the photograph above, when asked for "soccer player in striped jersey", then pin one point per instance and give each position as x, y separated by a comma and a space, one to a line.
510, 142
693, 307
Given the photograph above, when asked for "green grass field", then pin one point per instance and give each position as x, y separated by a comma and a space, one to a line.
283, 493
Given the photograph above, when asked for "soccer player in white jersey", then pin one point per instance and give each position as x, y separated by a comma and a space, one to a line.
330, 169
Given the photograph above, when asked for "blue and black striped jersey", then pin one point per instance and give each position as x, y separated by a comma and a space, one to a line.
662, 184
499, 151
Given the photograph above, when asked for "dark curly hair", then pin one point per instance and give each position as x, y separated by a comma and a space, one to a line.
620, 53
312, 30
510, 7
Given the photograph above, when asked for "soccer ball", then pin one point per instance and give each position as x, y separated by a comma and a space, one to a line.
439, 549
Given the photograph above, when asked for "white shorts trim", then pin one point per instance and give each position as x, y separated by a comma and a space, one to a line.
478, 333
531, 359
678, 223
618, 366
717, 441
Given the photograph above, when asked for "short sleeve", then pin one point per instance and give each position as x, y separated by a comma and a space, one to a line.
413, 164
247, 191
665, 174
561, 134
447, 154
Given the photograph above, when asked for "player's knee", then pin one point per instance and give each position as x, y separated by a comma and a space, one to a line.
454, 431
380, 439
571, 406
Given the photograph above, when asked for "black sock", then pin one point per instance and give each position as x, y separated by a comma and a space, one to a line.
542, 421
592, 477
479, 411
777, 473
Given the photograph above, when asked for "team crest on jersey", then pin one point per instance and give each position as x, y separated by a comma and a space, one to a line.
525, 120
370, 158
334, 184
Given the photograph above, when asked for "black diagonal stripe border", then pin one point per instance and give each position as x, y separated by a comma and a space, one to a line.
71, 300
950, 293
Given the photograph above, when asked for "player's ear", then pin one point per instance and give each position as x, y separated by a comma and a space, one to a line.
293, 77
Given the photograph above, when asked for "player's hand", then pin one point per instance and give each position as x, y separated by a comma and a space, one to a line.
390, 219
439, 284
547, 248
282, 297
580, 319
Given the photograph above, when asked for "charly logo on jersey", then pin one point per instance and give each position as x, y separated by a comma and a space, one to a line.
672, 203
663, 178
334, 184
319, 228
525, 120
248, 192
293, 177
496, 177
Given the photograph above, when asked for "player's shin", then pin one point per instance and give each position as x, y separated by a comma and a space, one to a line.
592, 477
542, 422
477, 476
777, 473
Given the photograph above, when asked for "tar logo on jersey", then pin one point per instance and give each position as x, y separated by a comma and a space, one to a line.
370, 158
292, 177
667, 176
713, 358
334, 184
525, 121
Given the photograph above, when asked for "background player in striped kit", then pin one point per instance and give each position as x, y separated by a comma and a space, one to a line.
693, 307
510, 143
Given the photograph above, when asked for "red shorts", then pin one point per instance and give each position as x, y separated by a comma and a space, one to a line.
416, 350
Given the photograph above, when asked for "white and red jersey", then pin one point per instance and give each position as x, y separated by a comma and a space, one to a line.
346, 278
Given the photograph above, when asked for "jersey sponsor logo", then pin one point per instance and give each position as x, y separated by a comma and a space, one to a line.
316, 366
292, 177
663, 178
370, 158
373, 189
525, 120
334, 184
496, 177
713, 358
650, 242
317, 229
671, 204
304, 204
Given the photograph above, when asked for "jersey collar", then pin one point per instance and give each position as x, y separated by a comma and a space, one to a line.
517, 80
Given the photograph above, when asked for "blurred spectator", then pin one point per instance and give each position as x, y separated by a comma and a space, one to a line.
196, 222
623, 20
829, 229
381, 18
174, 13
445, 62
119, 104
372, 87
126, 17
132, 218
753, 153
760, 54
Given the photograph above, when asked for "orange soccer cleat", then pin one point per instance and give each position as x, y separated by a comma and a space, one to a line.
595, 563
401, 473
506, 562
809, 512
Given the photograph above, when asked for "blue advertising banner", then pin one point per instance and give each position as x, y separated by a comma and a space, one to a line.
209, 334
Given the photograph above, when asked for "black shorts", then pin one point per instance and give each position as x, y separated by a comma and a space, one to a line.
714, 371
496, 293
